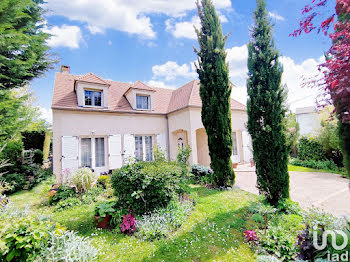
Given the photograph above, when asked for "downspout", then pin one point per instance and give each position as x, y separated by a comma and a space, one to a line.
168, 136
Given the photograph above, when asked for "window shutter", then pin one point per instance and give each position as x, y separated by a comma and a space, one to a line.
115, 149
161, 141
70, 153
129, 147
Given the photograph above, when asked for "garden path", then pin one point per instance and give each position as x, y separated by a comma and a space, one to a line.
330, 192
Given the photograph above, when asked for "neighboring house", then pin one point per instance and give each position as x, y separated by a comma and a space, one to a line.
102, 123
309, 120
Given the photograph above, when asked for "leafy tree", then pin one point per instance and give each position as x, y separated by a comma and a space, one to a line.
336, 69
23, 49
17, 113
266, 112
215, 92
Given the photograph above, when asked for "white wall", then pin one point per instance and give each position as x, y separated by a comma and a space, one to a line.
309, 123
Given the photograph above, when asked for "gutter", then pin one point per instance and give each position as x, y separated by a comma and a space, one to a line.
168, 136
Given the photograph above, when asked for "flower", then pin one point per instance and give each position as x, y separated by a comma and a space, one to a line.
251, 236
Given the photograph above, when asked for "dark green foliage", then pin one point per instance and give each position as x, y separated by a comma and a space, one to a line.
344, 138
202, 174
266, 112
310, 149
144, 186
23, 48
33, 140
316, 164
12, 151
292, 131
63, 192
25, 177
38, 156
215, 92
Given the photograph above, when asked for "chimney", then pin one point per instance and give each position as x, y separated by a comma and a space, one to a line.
65, 69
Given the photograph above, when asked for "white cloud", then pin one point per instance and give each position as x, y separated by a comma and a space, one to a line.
46, 114
64, 36
185, 29
276, 16
160, 84
124, 15
171, 70
237, 58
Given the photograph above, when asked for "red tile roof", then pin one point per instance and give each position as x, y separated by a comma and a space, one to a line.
165, 100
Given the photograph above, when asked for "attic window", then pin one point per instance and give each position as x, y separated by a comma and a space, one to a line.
142, 102
93, 98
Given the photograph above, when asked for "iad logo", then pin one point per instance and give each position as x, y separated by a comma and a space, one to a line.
333, 233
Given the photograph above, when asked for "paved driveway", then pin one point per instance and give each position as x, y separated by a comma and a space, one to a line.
328, 191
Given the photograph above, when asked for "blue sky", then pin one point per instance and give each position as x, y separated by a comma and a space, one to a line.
152, 41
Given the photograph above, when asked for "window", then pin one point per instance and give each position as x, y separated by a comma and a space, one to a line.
86, 152
93, 98
234, 146
142, 102
138, 148
143, 148
148, 142
99, 152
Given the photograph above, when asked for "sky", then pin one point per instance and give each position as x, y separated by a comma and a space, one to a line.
152, 41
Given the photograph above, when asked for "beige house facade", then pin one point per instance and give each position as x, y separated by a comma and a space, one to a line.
102, 124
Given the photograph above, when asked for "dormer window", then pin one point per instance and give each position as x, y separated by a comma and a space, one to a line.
142, 102
93, 98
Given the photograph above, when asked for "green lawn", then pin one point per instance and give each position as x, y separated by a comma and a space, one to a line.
307, 169
214, 230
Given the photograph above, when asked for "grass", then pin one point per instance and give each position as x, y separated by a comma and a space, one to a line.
214, 230
307, 169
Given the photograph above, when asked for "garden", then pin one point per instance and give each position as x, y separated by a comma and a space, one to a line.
156, 211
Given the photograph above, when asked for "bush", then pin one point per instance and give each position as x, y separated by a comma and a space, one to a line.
68, 203
289, 207
68, 246
83, 179
320, 164
183, 155
33, 139
17, 181
38, 156
12, 151
202, 174
145, 186
103, 181
24, 238
310, 149
63, 192
161, 222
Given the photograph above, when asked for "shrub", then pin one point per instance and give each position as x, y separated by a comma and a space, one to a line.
320, 164
33, 140
288, 206
12, 151
183, 155
103, 181
68, 246
23, 238
145, 186
258, 218
83, 179
162, 221
310, 149
63, 192
38, 156
17, 182
104, 208
202, 174
68, 203
158, 154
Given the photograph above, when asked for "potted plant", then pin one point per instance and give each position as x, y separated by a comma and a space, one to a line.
235, 165
103, 214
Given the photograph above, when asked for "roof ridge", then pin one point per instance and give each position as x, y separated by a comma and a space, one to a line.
81, 78
190, 98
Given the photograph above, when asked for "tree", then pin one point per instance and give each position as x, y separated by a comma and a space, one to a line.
266, 111
336, 69
23, 49
215, 92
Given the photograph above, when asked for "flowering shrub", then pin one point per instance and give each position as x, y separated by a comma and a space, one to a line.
128, 226
251, 236
202, 174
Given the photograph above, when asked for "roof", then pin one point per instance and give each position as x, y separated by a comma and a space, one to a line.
165, 100
305, 110
92, 78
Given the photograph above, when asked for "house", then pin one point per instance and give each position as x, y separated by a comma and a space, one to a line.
101, 123
309, 120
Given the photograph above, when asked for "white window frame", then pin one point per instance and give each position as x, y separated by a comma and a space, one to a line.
92, 101
149, 101
93, 152
144, 152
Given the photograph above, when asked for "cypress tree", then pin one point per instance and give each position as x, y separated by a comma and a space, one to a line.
215, 92
266, 111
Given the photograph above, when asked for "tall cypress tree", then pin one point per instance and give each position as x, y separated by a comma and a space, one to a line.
266, 111
215, 92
